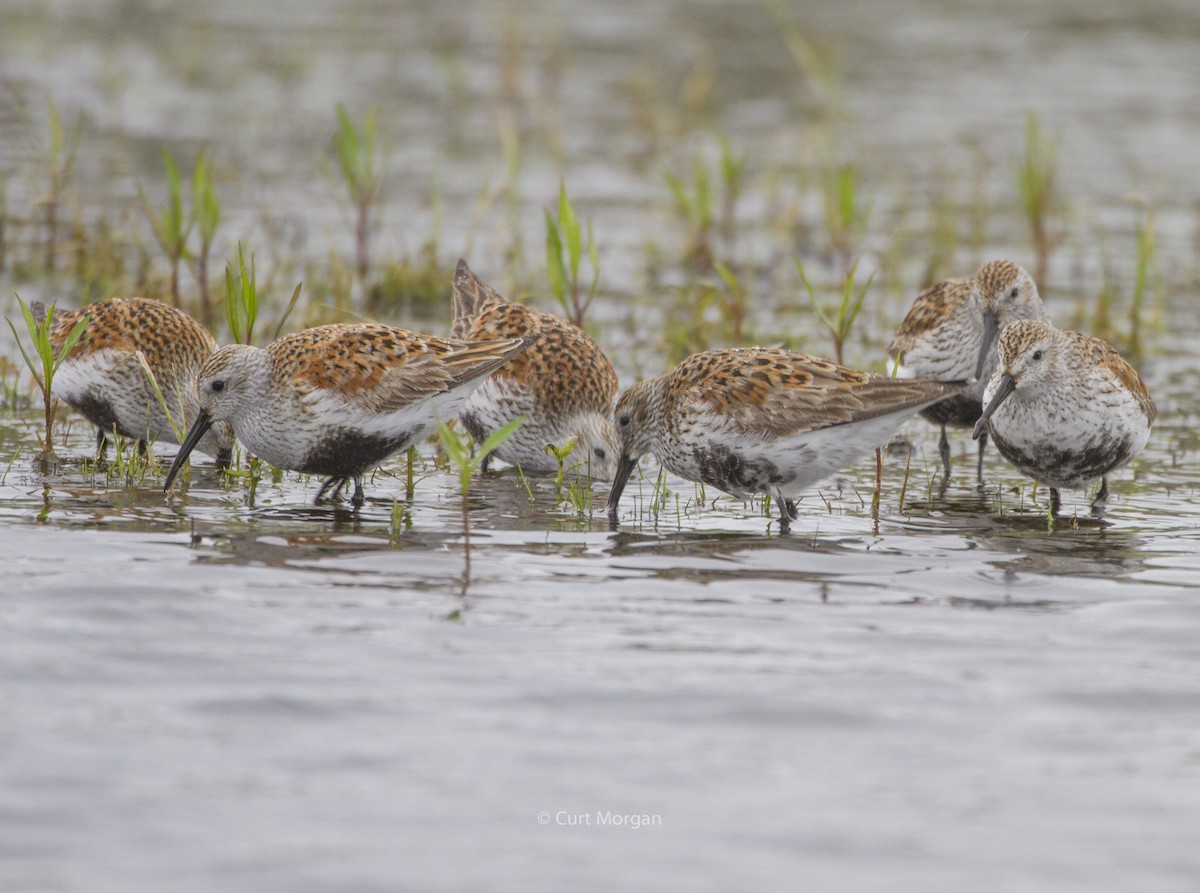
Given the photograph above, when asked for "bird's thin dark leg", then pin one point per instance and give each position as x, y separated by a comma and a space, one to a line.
483, 466
358, 499
1055, 501
101, 440
1100, 503
944, 452
983, 439
224, 459
787, 513
332, 486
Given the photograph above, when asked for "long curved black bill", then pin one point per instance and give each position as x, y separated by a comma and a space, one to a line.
991, 328
625, 467
1007, 385
199, 428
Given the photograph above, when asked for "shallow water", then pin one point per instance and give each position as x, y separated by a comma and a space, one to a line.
213, 692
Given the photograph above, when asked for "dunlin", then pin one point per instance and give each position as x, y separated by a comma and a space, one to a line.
338, 399
950, 334
563, 384
104, 381
1064, 408
753, 420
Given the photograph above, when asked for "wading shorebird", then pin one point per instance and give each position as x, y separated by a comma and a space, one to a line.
562, 384
950, 334
756, 420
1064, 408
103, 380
338, 399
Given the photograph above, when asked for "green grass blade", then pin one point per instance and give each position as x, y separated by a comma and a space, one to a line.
572, 235
70, 341
28, 361
680, 195
288, 311
205, 206
555, 269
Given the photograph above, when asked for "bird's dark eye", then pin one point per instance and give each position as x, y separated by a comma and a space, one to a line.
1037, 354
218, 386
624, 420
599, 453
1016, 291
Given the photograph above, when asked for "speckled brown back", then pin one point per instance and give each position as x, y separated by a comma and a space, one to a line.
562, 366
167, 336
931, 309
778, 391
1103, 355
379, 366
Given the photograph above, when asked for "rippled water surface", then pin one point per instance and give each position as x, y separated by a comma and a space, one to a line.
220, 691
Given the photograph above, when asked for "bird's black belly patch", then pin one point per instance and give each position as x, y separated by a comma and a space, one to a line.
724, 468
957, 410
347, 453
1067, 468
474, 427
99, 411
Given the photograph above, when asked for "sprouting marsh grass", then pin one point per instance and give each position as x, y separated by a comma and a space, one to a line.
43, 363
1037, 189
359, 159
1147, 279
561, 454
566, 246
242, 301
171, 226
129, 465
847, 212
572, 478
465, 459
694, 203
58, 153
839, 322
206, 210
